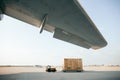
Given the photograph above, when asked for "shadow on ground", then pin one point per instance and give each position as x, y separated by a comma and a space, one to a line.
85, 75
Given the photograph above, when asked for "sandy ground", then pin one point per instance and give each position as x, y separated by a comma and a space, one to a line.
14, 70
102, 68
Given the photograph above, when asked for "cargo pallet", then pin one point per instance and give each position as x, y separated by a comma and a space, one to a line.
73, 65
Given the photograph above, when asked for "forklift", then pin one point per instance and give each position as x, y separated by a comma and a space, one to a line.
50, 69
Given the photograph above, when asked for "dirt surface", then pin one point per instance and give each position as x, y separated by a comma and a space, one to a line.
14, 70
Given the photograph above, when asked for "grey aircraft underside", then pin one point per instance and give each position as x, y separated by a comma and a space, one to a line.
66, 18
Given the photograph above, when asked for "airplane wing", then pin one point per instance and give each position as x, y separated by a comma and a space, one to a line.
66, 18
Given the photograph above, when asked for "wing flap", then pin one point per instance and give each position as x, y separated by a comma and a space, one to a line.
68, 37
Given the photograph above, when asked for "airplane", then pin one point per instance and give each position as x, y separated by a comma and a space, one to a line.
66, 19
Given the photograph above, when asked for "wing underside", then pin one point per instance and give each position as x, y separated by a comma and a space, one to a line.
71, 38
66, 18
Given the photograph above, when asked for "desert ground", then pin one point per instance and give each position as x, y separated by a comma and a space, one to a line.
38, 73
20, 69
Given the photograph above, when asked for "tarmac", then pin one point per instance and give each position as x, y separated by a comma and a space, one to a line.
85, 75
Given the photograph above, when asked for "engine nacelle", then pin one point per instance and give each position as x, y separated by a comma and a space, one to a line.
1, 15
2, 7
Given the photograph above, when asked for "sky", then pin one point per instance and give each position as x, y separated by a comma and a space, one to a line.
21, 43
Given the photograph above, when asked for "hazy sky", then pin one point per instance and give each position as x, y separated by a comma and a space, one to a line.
21, 43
